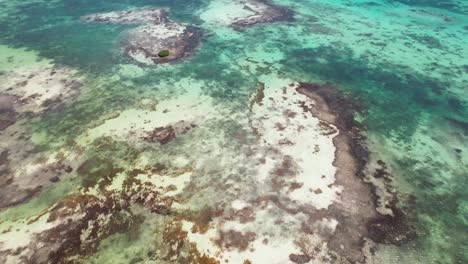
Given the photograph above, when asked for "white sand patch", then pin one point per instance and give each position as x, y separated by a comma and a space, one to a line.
275, 252
247, 12
163, 31
225, 12
326, 223
132, 124
273, 243
140, 57
283, 125
205, 242
239, 204
19, 235
135, 16
117, 182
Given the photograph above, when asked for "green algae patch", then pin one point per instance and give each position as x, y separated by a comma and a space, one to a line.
163, 53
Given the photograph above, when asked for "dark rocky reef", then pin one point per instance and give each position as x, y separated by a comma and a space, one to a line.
352, 158
161, 134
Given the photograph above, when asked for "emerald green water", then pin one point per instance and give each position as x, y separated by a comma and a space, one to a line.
407, 70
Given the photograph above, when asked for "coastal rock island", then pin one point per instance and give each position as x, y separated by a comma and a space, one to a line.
155, 33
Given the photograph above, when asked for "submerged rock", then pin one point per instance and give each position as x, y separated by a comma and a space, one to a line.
161, 134
155, 35
300, 259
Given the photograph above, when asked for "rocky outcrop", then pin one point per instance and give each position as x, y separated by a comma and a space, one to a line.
156, 33
161, 134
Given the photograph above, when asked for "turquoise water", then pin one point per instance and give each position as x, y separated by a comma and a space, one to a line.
404, 63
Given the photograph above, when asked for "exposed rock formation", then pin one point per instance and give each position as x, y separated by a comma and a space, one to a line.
156, 33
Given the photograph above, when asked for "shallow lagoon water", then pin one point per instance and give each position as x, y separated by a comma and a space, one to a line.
210, 193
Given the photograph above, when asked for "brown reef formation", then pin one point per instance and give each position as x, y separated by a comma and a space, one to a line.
356, 212
154, 34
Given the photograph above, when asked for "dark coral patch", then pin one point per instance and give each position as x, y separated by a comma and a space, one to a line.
162, 135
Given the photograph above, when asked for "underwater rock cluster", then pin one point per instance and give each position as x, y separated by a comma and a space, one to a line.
155, 34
